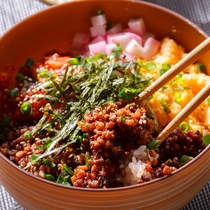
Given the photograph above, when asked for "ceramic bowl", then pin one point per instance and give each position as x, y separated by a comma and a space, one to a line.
53, 29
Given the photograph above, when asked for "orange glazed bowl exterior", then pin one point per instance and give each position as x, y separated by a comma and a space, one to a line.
53, 29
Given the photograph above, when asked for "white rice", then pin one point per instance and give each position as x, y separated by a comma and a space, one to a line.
135, 165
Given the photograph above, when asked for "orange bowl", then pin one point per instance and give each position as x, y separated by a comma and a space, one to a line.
53, 29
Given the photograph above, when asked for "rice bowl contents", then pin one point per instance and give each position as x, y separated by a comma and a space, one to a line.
78, 120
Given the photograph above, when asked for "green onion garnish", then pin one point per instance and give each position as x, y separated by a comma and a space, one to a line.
47, 143
49, 177
67, 169
26, 108
13, 93
177, 80
122, 119
19, 77
34, 157
178, 97
49, 163
150, 97
73, 61
87, 158
62, 180
100, 55
84, 136
164, 87
28, 135
100, 12
184, 127
44, 73
201, 68
140, 64
208, 101
165, 106
206, 139
164, 69
154, 144
184, 159
127, 93
150, 65
29, 62
118, 48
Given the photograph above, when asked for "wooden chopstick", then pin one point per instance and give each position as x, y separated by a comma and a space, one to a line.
181, 65
170, 74
185, 112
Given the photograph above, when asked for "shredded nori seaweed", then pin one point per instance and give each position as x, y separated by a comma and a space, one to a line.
99, 82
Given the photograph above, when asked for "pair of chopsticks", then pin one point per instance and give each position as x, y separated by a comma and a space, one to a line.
170, 74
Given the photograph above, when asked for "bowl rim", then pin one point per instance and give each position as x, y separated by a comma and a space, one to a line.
55, 7
143, 2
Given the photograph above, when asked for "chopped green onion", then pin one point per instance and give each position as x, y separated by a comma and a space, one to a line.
62, 180
100, 55
87, 158
47, 127
154, 144
47, 143
178, 97
34, 157
29, 62
49, 177
150, 65
208, 101
118, 48
84, 136
164, 69
201, 68
140, 62
44, 73
100, 12
184, 127
65, 182
67, 169
5, 122
13, 93
165, 106
48, 140
150, 97
206, 139
164, 87
127, 93
177, 80
49, 163
26, 108
19, 77
73, 61
185, 159
166, 66
122, 119
28, 135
